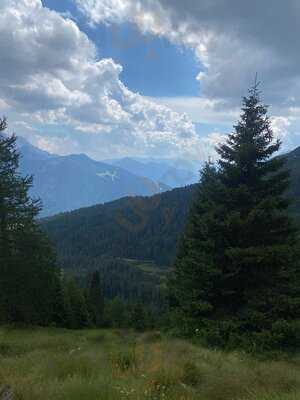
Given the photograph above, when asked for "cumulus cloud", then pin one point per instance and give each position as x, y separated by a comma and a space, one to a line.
233, 40
56, 145
50, 74
202, 110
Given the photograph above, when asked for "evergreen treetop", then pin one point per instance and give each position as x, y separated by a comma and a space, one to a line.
237, 266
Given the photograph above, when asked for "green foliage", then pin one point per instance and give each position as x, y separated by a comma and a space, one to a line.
138, 317
59, 364
191, 375
76, 306
120, 314
29, 278
125, 359
237, 271
95, 300
99, 238
140, 228
116, 313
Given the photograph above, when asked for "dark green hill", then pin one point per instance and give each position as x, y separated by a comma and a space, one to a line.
141, 228
293, 165
138, 228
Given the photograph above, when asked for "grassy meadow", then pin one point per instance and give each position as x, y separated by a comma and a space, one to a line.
59, 364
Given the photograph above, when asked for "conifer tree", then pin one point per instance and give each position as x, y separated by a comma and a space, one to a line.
77, 310
138, 317
194, 280
116, 313
95, 300
237, 270
28, 274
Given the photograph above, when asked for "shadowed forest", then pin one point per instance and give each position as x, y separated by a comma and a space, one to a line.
189, 294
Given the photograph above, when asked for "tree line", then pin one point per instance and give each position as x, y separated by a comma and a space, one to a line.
236, 276
33, 289
141, 228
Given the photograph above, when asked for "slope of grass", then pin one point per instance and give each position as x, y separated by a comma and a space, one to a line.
58, 364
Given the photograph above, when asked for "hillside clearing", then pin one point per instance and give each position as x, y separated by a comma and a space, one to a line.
104, 364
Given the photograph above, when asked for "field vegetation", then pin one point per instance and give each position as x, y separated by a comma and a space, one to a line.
95, 364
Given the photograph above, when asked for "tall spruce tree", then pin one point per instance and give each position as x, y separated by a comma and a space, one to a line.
237, 270
95, 300
194, 282
77, 315
28, 275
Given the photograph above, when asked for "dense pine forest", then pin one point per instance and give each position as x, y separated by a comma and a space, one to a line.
208, 274
139, 228
149, 200
33, 288
143, 228
218, 259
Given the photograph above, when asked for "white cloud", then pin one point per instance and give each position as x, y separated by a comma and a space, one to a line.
202, 110
210, 142
232, 41
280, 126
106, 10
56, 145
214, 139
50, 75
3, 105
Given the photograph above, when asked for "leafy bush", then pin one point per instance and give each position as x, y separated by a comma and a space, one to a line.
191, 374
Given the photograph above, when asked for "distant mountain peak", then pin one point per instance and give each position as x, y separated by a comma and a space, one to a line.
69, 182
171, 172
32, 151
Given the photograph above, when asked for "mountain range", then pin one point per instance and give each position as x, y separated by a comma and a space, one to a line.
174, 173
66, 183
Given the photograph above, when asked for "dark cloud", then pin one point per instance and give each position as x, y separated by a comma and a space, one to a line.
245, 37
233, 39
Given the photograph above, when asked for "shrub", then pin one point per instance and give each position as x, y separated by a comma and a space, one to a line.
191, 374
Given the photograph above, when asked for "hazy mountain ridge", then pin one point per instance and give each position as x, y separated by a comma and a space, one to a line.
172, 172
66, 183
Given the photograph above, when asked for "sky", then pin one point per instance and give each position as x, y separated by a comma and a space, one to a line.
150, 78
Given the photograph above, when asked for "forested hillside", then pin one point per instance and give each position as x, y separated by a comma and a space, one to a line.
293, 164
142, 228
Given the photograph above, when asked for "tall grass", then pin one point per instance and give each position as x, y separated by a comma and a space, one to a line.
48, 364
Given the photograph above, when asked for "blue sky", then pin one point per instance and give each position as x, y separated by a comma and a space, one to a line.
158, 78
152, 65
